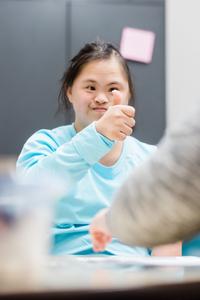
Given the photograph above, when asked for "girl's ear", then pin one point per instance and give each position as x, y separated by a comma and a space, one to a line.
68, 91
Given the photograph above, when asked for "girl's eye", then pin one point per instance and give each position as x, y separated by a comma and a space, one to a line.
114, 88
90, 88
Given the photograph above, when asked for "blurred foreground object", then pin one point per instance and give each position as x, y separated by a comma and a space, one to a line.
26, 212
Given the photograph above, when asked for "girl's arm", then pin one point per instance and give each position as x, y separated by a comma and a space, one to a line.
43, 155
168, 250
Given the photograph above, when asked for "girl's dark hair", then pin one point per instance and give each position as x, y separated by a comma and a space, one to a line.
96, 50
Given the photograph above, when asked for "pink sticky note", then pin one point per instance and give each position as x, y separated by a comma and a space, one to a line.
137, 44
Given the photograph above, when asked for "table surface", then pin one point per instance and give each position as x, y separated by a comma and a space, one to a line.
76, 276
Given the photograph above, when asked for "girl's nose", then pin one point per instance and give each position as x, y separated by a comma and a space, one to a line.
101, 98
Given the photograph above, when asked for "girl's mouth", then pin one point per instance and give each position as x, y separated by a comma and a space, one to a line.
99, 109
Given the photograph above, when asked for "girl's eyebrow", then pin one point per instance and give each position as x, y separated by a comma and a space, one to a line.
115, 82
89, 80
94, 81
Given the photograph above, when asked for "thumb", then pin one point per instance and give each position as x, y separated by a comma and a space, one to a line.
116, 97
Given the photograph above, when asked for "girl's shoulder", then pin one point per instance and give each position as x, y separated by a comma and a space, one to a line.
57, 136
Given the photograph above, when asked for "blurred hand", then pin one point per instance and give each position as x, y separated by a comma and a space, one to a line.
99, 231
118, 121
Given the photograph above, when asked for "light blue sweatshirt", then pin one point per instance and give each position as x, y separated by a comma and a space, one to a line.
65, 153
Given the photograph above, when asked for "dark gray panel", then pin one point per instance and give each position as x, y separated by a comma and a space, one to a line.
35, 39
91, 19
33, 54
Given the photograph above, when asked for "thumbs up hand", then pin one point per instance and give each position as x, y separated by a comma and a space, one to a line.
116, 97
118, 121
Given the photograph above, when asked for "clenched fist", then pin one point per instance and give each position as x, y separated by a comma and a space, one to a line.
118, 121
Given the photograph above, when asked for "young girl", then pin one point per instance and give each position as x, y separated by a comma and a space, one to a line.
96, 151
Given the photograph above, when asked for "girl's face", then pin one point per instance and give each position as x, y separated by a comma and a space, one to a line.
91, 92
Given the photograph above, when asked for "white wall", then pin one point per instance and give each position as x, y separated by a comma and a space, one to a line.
183, 57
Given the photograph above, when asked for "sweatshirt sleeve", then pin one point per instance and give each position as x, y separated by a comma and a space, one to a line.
160, 201
42, 153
